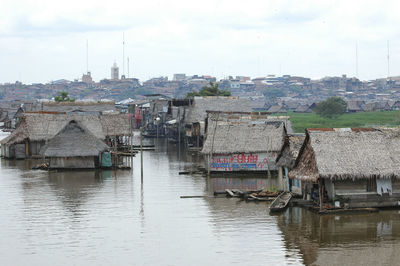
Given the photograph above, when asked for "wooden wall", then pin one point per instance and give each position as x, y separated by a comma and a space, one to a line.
73, 162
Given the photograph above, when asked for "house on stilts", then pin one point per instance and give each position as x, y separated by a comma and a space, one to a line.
286, 160
350, 167
75, 147
196, 114
35, 129
244, 143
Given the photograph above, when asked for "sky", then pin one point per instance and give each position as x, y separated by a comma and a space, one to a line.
46, 40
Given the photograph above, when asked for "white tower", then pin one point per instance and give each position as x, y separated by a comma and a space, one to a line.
115, 72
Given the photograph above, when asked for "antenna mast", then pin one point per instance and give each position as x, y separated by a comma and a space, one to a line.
87, 56
388, 65
128, 65
356, 59
123, 53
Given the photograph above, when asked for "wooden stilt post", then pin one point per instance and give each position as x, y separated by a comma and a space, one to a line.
208, 165
131, 137
141, 155
321, 194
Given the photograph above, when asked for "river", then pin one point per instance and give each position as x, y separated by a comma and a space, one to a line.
111, 218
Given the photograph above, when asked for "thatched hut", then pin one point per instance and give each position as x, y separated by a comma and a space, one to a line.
236, 144
75, 147
287, 158
356, 167
196, 113
36, 128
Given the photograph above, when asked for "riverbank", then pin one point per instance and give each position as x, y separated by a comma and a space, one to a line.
301, 121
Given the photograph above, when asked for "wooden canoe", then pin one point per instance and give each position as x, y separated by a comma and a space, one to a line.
281, 202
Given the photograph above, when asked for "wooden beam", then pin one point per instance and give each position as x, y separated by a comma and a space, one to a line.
320, 187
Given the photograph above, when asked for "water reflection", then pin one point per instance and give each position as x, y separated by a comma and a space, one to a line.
111, 218
340, 239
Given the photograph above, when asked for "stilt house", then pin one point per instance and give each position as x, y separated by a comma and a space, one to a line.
35, 129
350, 167
196, 114
76, 147
286, 160
243, 142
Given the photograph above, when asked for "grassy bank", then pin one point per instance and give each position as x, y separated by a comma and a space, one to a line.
363, 119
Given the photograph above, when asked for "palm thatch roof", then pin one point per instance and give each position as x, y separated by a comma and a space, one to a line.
290, 151
355, 106
88, 106
44, 126
243, 136
303, 108
348, 154
197, 112
72, 141
277, 109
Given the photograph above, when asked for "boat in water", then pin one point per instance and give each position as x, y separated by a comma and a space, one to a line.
281, 202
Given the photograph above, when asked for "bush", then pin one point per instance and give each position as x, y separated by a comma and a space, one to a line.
332, 107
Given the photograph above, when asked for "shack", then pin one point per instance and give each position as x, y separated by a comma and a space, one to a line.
36, 128
196, 114
350, 167
286, 160
249, 145
75, 147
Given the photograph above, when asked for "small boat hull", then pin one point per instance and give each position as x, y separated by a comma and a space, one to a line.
281, 202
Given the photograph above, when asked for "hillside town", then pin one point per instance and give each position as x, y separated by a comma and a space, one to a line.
273, 94
234, 135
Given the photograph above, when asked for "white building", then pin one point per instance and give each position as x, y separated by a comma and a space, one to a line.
115, 71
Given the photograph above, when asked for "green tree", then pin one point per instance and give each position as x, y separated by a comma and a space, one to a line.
63, 97
211, 90
332, 107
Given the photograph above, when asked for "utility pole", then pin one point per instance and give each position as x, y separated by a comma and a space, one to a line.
123, 53
87, 56
388, 62
131, 131
141, 154
356, 59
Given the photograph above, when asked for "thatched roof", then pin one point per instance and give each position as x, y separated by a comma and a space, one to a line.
246, 136
277, 109
290, 151
291, 105
197, 112
44, 126
355, 106
89, 106
348, 154
72, 141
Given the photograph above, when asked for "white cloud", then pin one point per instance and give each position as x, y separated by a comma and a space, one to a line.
309, 38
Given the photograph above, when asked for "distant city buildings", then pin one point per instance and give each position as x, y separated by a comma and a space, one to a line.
294, 93
179, 77
87, 78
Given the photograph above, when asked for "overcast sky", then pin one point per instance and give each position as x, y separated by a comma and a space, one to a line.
44, 40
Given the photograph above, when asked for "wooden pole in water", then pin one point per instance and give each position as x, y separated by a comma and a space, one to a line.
115, 152
141, 155
320, 193
208, 165
179, 126
131, 138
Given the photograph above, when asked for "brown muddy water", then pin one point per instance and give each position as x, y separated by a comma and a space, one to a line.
110, 218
